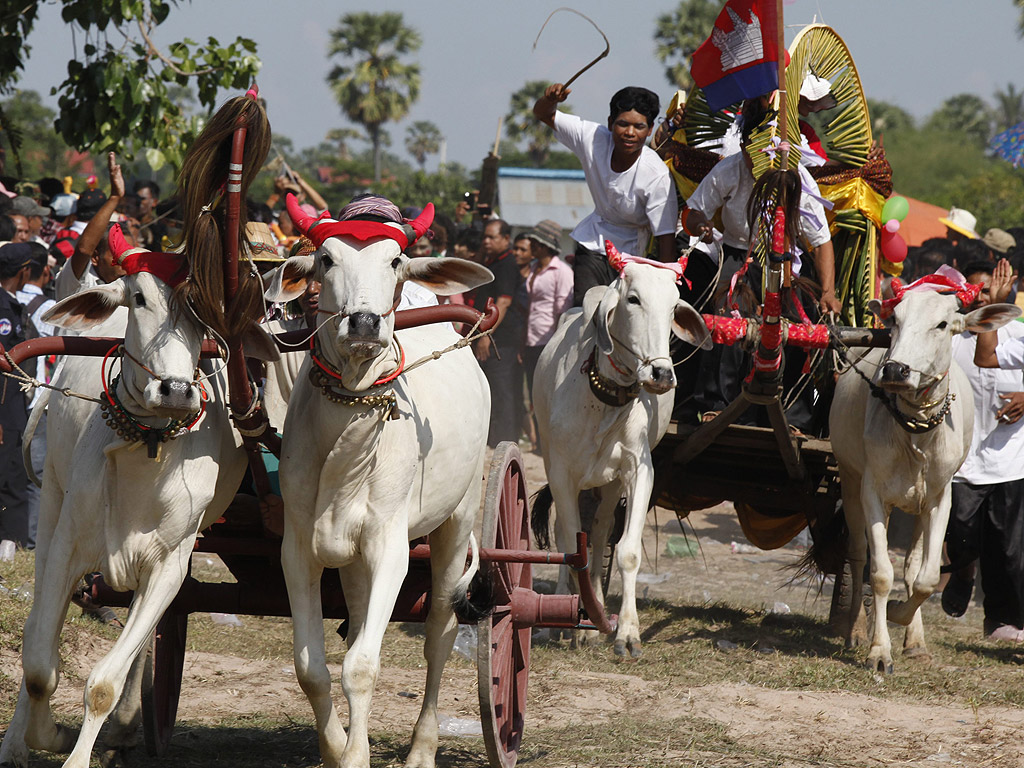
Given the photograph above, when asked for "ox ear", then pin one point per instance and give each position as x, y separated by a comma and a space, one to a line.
259, 344
444, 276
289, 281
86, 309
991, 317
689, 326
875, 308
598, 305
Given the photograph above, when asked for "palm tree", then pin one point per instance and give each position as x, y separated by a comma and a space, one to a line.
374, 86
340, 137
421, 139
521, 124
1009, 107
1020, 22
680, 33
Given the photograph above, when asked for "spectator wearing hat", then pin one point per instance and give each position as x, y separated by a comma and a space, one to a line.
1000, 243
960, 224
34, 213
91, 263
15, 265
815, 96
549, 290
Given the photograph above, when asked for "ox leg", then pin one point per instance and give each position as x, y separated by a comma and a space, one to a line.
302, 577
122, 733
387, 563
627, 557
876, 517
923, 571
565, 495
32, 724
107, 681
854, 624
448, 545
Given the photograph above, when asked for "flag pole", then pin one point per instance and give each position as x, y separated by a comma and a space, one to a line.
780, 39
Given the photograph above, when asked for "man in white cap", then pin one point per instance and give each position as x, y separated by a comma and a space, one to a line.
815, 95
960, 224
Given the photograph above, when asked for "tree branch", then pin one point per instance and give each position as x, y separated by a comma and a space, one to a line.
159, 54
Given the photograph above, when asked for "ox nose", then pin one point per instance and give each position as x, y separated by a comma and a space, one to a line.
177, 388
895, 372
661, 374
364, 325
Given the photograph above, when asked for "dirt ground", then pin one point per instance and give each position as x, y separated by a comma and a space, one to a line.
740, 720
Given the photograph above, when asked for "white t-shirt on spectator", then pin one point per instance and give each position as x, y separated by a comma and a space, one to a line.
629, 207
997, 448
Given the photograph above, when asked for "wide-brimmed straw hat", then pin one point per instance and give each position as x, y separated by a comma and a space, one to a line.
260, 242
961, 221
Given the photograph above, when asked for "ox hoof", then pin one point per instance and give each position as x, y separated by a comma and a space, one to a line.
880, 665
633, 646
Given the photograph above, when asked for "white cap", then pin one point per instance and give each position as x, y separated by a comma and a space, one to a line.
815, 88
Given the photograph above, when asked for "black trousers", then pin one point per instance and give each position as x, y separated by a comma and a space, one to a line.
13, 490
986, 523
505, 378
589, 268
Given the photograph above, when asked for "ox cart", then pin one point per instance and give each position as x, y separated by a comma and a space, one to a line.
504, 637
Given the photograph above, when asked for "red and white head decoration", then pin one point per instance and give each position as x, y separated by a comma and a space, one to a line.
944, 280
172, 268
620, 260
320, 228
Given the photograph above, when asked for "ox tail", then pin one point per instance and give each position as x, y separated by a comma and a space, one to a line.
830, 539
30, 430
473, 596
540, 517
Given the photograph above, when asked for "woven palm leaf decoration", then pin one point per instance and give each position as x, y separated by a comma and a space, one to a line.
846, 135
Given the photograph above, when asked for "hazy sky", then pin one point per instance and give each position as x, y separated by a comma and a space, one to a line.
915, 53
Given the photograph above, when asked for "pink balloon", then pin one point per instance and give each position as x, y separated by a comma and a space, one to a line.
892, 225
894, 247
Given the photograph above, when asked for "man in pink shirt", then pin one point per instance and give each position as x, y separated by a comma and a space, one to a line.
549, 288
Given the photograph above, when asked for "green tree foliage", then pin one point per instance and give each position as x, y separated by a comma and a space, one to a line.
966, 114
421, 139
1009, 109
374, 85
679, 33
42, 151
887, 118
1020, 22
521, 125
120, 91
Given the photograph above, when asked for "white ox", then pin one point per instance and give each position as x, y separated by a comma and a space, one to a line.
882, 465
621, 336
106, 506
359, 486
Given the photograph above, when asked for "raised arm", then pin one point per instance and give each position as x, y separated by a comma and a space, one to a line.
998, 291
546, 106
96, 229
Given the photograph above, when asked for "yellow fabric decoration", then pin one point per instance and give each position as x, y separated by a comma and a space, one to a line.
855, 193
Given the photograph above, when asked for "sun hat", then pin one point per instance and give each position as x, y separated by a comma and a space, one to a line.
63, 205
817, 89
961, 221
999, 240
261, 243
26, 206
548, 234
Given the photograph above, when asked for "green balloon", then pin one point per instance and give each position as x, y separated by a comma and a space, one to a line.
895, 207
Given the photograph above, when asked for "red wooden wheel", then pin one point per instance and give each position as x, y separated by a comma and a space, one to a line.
503, 651
161, 681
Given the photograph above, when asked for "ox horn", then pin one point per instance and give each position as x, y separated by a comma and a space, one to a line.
614, 257
302, 220
415, 228
119, 247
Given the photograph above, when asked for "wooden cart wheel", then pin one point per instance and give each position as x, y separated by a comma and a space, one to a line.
161, 681
503, 652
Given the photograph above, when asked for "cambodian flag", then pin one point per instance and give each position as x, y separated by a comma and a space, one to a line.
740, 59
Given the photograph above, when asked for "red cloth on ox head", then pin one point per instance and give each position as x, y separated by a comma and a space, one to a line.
172, 268
320, 228
945, 280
